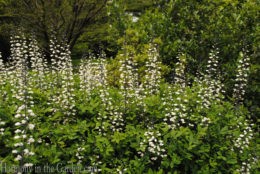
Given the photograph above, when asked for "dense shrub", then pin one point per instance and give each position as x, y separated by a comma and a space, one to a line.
54, 116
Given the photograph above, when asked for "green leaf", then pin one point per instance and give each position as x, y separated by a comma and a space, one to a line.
117, 137
224, 130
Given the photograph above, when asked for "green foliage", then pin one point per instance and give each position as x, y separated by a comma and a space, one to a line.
168, 130
192, 27
198, 149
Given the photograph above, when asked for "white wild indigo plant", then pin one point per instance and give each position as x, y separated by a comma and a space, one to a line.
59, 115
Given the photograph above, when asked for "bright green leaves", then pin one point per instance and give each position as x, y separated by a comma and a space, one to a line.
117, 137
90, 108
104, 146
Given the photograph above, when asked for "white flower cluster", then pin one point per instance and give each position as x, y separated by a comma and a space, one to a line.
152, 146
245, 168
213, 63
179, 77
175, 108
66, 100
128, 79
38, 64
79, 154
247, 165
96, 163
241, 79
131, 88
216, 88
1, 63
176, 113
212, 88
152, 77
17, 70
2, 69
63, 96
242, 142
180, 108
110, 114
59, 55
93, 76
2, 77
117, 121
121, 170
22, 92
19, 53
209, 89
2, 123
170, 116
22, 135
92, 73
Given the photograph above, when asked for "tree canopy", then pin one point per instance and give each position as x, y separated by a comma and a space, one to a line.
66, 19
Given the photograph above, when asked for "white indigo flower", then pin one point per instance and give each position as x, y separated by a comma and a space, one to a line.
31, 126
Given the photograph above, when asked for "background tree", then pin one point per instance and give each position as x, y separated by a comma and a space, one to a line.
105, 32
6, 21
67, 19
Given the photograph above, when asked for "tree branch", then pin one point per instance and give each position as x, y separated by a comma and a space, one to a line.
86, 20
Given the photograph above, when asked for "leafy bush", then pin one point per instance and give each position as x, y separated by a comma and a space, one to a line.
54, 119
